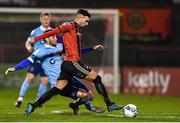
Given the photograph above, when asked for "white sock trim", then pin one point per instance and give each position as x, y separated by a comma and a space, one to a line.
20, 99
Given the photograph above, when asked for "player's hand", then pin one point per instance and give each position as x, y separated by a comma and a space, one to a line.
10, 70
29, 46
32, 41
98, 47
30, 49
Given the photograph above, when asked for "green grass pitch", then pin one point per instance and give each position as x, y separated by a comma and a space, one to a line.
151, 108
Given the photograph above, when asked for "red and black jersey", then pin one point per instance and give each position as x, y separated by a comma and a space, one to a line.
71, 42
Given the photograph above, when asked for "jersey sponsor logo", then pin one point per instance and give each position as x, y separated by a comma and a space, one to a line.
52, 61
42, 42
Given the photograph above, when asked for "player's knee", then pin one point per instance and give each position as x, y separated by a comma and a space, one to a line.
61, 84
44, 80
97, 79
84, 95
91, 76
29, 77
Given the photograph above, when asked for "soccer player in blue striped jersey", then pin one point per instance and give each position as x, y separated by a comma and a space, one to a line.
35, 68
51, 62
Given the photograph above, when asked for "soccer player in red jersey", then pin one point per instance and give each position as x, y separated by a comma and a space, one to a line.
72, 66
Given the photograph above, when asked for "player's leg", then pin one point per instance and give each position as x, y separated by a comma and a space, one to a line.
79, 84
76, 82
83, 98
96, 79
24, 87
58, 89
85, 72
37, 69
43, 85
33, 70
86, 101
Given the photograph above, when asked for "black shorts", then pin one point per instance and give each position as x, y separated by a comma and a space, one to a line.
70, 69
36, 68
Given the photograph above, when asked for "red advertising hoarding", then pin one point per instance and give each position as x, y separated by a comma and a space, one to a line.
145, 24
151, 81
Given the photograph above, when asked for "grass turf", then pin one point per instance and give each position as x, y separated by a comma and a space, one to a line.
151, 108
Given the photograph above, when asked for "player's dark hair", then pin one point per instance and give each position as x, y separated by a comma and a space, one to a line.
84, 12
45, 32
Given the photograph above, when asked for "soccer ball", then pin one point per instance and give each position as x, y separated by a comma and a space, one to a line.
130, 110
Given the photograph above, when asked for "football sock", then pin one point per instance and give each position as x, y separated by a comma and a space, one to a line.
101, 89
24, 88
41, 90
86, 102
46, 96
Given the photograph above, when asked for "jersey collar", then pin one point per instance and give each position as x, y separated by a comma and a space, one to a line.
43, 28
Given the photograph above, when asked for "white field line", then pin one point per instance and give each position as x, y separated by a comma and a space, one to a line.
141, 115
164, 115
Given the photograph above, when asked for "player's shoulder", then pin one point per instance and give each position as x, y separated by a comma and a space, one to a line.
35, 30
68, 23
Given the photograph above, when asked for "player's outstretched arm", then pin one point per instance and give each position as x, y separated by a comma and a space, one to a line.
96, 47
44, 35
58, 30
21, 65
